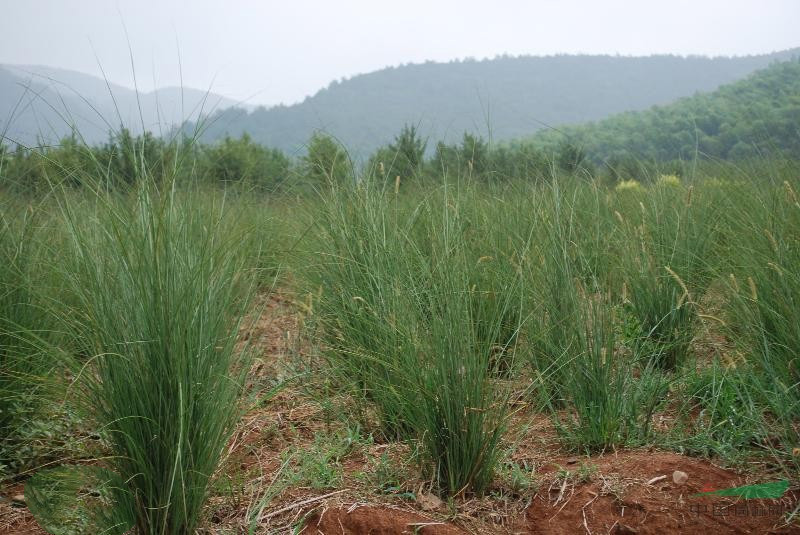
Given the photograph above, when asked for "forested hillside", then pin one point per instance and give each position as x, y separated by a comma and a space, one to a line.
757, 115
501, 99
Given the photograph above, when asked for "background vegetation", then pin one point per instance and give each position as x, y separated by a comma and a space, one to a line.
755, 116
439, 292
501, 98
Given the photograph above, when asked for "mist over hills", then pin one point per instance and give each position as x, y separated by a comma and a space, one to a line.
755, 116
40, 103
502, 98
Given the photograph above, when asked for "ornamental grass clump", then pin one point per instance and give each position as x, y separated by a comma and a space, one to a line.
157, 294
665, 262
765, 312
402, 332
27, 359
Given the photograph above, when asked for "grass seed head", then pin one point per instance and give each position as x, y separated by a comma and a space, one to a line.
752, 284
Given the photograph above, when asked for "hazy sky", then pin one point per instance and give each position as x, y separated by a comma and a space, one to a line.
271, 52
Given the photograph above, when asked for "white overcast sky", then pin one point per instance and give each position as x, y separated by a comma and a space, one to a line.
271, 52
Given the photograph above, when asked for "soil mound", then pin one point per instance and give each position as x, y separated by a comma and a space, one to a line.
635, 493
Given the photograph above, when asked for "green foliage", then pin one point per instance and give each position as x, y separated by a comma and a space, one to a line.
397, 316
722, 415
70, 500
741, 120
609, 406
127, 157
571, 158
119, 163
666, 248
241, 161
429, 306
27, 359
326, 162
470, 159
320, 465
158, 294
765, 287
520, 477
463, 411
445, 160
518, 162
579, 362
26, 171
510, 96
389, 476
401, 160
474, 155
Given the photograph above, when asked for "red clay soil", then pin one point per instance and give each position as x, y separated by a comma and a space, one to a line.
370, 520
615, 497
15, 519
619, 500
608, 494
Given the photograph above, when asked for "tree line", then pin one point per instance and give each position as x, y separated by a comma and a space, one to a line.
243, 163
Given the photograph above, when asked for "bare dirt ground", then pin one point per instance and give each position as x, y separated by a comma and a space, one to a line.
629, 493
622, 492
14, 516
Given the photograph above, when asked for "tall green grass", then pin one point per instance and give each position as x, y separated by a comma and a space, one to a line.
554, 275
431, 302
471, 332
765, 309
611, 396
405, 328
665, 261
600, 393
365, 310
27, 359
720, 413
157, 294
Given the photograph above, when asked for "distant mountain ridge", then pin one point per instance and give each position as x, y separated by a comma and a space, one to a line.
502, 98
755, 116
39, 103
